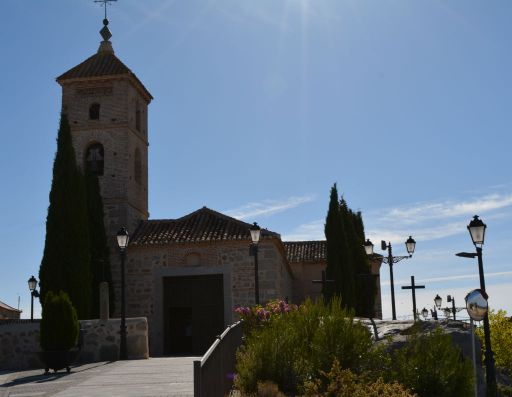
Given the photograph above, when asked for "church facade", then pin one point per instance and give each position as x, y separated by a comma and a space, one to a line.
185, 275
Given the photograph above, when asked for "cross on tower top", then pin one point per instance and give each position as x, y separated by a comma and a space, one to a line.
105, 3
105, 32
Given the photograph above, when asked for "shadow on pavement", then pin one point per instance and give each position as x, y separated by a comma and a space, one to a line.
44, 378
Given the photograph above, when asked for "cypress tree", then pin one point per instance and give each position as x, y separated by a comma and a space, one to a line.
99, 251
333, 235
66, 264
338, 257
364, 280
348, 264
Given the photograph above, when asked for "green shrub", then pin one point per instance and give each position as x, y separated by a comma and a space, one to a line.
59, 325
340, 382
501, 339
296, 346
430, 365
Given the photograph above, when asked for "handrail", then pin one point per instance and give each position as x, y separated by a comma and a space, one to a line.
213, 372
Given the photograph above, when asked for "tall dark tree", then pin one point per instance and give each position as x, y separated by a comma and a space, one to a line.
66, 263
364, 280
337, 255
99, 251
347, 263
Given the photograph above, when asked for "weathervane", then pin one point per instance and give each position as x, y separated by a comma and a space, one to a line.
105, 32
105, 3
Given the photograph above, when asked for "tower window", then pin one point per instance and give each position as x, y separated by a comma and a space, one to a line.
94, 158
137, 166
94, 111
137, 117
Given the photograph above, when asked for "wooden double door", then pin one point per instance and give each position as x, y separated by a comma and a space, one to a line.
193, 313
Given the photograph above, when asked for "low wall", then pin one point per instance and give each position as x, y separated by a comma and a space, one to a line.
19, 342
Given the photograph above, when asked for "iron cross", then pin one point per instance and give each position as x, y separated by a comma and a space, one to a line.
413, 287
105, 3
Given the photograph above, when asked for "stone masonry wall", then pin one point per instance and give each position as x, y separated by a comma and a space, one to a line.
19, 342
147, 266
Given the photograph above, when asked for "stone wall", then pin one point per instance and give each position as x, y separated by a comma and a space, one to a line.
147, 266
304, 274
19, 342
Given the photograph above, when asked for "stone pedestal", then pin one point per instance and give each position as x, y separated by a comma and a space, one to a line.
104, 302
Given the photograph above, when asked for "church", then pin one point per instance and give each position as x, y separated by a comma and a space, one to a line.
185, 275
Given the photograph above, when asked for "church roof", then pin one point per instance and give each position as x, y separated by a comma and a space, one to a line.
305, 251
102, 64
7, 307
202, 225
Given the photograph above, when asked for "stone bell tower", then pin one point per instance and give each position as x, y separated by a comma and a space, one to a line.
107, 108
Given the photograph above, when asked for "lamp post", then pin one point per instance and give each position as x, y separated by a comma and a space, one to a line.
424, 313
410, 245
476, 230
122, 241
255, 238
34, 293
449, 299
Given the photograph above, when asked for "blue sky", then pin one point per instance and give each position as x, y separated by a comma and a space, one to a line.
260, 106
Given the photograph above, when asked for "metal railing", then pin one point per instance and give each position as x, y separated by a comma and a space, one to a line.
214, 373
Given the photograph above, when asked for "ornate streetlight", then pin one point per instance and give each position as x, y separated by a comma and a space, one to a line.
34, 293
476, 230
410, 245
255, 238
122, 241
424, 313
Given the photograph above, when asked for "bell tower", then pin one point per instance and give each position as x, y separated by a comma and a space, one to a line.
107, 108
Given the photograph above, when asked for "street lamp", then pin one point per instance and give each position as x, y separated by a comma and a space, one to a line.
34, 293
476, 230
255, 239
410, 245
424, 313
438, 301
449, 299
122, 241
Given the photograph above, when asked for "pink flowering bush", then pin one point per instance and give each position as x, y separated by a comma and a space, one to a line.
257, 316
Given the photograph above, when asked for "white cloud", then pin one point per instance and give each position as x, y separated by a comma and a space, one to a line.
434, 220
307, 231
448, 209
268, 207
452, 278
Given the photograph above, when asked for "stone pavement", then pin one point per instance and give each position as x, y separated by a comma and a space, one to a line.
163, 376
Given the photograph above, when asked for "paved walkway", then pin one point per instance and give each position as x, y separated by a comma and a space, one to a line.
165, 376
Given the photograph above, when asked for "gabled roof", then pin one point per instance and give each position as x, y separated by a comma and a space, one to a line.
102, 64
202, 225
7, 307
306, 251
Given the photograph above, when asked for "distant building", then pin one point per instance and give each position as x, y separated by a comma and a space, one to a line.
185, 275
8, 312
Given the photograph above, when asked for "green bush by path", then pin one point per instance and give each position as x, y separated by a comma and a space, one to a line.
295, 347
431, 366
59, 324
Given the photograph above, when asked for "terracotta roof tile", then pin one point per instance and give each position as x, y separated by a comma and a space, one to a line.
202, 225
306, 251
101, 64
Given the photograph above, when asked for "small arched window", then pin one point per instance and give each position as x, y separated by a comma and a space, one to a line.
137, 166
94, 111
137, 117
94, 158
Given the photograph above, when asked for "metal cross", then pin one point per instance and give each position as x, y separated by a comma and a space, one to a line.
105, 2
413, 287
